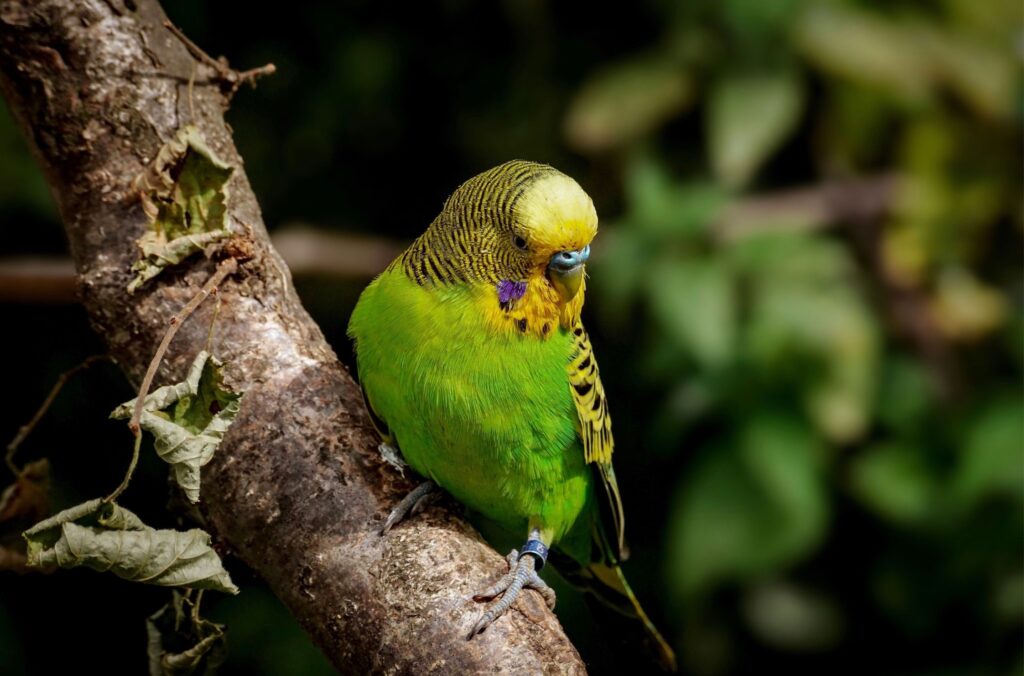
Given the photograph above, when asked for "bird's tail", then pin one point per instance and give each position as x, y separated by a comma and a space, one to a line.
607, 583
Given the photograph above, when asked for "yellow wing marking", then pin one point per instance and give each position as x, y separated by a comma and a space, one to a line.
591, 405
595, 425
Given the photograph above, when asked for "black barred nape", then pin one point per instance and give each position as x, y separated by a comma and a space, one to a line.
472, 237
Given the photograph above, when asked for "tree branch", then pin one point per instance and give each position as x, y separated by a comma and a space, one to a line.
297, 489
309, 250
37, 280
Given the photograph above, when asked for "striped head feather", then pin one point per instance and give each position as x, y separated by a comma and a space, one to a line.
499, 230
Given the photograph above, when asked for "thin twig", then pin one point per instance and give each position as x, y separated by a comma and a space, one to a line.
197, 51
253, 74
195, 607
227, 267
310, 250
27, 428
127, 475
225, 73
213, 323
37, 280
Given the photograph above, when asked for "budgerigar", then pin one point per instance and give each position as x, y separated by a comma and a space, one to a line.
476, 366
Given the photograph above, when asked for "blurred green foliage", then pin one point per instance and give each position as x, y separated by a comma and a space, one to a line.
819, 413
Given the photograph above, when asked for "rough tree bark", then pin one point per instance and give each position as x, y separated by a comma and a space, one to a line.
297, 490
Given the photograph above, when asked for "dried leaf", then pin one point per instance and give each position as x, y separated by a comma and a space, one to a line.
28, 497
22, 504
106, 537
188, 420
181, 642
184, 195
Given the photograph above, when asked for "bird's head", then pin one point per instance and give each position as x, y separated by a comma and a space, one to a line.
554, 224
522, 221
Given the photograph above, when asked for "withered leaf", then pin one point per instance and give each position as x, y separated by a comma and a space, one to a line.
22, 504
184, 194
183, 644
106, 537
188, 420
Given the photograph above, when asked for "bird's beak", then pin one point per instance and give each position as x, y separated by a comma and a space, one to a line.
565, 270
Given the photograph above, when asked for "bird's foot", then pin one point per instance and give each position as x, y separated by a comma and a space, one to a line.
415, 501
521, 574
411, 504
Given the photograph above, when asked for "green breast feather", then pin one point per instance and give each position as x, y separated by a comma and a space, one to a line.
489, 416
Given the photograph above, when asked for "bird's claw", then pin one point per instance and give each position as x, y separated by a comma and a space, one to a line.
521, 575
411, 504
503, 583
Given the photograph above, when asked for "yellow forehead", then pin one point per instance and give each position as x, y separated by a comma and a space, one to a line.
556, 215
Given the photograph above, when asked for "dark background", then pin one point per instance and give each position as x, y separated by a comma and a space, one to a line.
816, 389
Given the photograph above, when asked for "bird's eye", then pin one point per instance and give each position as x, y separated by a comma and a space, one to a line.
519, 242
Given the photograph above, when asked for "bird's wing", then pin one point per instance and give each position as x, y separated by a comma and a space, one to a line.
595, 429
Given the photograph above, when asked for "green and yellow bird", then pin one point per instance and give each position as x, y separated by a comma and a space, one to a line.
476, 366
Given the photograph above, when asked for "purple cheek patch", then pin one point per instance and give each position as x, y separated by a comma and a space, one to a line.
509, 291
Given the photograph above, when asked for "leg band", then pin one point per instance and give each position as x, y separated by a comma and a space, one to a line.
537, 549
